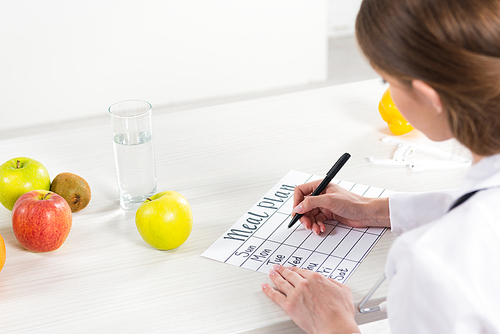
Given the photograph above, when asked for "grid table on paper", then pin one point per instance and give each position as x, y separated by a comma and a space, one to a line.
335, 253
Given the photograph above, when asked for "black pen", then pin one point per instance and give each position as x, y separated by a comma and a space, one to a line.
322, 186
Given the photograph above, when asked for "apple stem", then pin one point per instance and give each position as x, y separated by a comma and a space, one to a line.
148, 199
18, 162
45, 197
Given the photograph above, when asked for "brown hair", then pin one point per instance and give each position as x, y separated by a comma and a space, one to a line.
453, 46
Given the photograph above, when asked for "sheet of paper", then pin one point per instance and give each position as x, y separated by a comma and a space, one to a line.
261, 237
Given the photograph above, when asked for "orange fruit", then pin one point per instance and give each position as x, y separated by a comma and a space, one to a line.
2, 253
398, 125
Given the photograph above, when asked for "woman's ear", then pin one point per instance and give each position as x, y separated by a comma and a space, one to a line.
429, 94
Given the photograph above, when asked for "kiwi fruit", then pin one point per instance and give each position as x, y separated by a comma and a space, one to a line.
73, 188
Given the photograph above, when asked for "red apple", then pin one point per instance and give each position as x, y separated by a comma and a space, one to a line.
41, 220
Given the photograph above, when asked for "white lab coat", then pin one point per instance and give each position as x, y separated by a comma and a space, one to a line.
444, 269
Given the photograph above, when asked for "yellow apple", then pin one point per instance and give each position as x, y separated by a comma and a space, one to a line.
164, 220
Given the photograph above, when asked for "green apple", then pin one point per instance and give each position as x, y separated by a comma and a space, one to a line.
20, 175
164, 220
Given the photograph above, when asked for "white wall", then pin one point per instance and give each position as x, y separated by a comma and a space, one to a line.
342, 17
64, 60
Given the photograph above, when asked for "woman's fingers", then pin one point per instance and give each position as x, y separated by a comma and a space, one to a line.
324, 201
305, 273
281, 283
275, 296
319, 227
303, 190
285, 279
290, 276
315, 221
315, 303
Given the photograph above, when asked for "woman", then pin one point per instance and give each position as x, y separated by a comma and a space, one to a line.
442, 61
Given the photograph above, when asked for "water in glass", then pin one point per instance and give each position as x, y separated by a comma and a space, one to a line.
135, 167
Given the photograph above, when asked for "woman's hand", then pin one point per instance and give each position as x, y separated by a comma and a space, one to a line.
336, 203
315, 303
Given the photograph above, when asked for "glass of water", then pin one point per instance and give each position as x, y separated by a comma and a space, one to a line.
134, 154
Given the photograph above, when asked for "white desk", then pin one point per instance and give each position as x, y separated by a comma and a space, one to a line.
105, 278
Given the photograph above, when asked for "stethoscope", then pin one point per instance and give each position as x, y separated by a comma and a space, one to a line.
382, 306
379, 307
